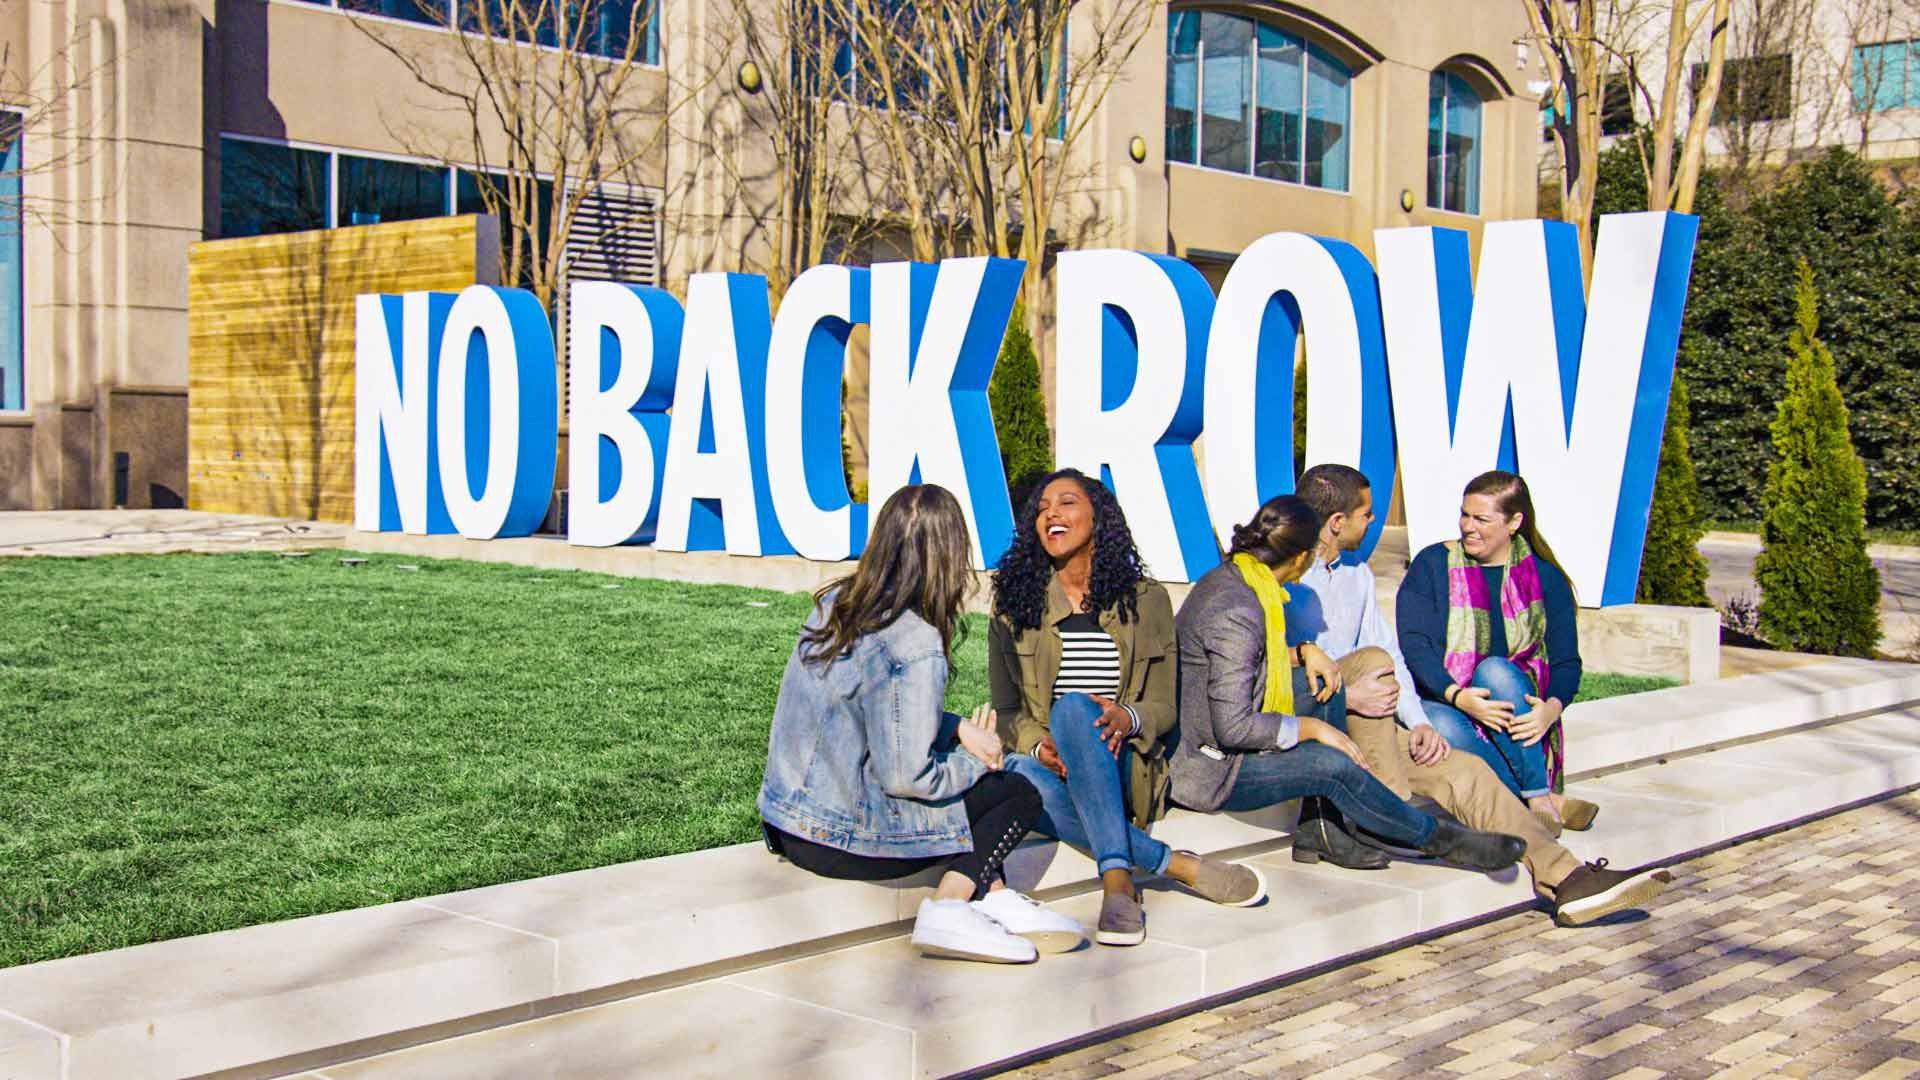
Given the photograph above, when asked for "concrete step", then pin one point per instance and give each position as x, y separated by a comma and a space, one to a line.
948, 1017
307, 992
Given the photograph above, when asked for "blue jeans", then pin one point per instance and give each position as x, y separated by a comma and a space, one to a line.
1312, 768
1088, 809
1522, 768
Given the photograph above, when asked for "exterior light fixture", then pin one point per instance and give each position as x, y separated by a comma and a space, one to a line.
1137, 149
749, 77
1406, 200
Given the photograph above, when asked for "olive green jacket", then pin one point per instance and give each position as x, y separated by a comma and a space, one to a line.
1022, 666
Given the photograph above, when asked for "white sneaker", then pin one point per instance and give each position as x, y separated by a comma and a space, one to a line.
952, 928
1050, 931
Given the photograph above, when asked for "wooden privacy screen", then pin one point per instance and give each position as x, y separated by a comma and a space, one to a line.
270, 353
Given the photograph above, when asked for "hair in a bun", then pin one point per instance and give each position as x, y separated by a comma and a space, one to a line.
1283, 527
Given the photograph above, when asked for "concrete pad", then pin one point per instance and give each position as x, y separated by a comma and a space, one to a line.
1307, 919
967, 1014
1614, 731
1899, 729
220, 1001
709, 1030
28, 1051
1445, 894
1632, 831
619, 923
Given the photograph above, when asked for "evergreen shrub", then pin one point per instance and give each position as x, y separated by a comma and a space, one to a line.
1020, 410
1672, 570
1819, 592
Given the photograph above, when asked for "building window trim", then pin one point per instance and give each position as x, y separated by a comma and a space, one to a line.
1344, 193
1310, 52
452, 26
1448, 83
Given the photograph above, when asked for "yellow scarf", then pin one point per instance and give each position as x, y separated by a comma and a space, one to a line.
1273, 599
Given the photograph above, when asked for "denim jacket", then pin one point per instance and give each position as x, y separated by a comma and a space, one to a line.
862, 757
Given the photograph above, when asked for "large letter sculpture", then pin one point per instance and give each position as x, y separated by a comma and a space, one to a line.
805, 367
1522, 367
396, 477
1132, 334
714, 494
499, 419
624, 351
936, 336
1280, 281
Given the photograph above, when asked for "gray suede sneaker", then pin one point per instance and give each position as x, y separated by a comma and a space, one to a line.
1122, 920
1227, 883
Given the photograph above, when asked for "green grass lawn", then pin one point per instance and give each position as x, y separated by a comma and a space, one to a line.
196, 743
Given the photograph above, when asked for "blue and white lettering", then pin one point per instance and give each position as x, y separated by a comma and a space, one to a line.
396, 479
498, 421
1277, 284
713, 496
624, 351
936, 337
1132, 346
806, 365
1508, 358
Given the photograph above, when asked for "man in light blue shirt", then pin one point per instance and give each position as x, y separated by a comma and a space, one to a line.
1336, 608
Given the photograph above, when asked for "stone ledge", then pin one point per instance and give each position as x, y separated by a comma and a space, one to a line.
360, 977
966, 1017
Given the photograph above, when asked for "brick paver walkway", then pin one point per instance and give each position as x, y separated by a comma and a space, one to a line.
1794, 955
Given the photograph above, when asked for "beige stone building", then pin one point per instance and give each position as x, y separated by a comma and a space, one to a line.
131, 130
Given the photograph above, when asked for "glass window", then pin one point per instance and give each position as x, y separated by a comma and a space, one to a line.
1453, 144
1277, 148
470, 197
1248, 97
266, 188
1327, 101
1183, 58
1226, 92
1884, 76
1753, 89
13, 357
613, 24
373, 190
422, 11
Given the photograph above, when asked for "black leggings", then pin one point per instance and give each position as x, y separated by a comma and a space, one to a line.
1001, 807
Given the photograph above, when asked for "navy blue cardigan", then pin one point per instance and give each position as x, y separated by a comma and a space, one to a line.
1420, 617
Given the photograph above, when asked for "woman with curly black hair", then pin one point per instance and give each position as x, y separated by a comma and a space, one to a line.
1081, 662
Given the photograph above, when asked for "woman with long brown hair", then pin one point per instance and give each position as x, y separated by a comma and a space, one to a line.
1490, 633
868, 779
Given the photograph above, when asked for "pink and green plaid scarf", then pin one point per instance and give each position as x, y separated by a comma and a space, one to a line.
1523, 610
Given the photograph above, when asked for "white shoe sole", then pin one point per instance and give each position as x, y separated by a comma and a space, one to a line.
1631, 893
955, 947
1118, 937
1053, 942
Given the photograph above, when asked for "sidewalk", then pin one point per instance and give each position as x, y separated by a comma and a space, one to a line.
80, 533
1788, 956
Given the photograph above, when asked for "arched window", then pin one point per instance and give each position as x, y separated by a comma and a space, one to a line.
1249, 98
1453, 144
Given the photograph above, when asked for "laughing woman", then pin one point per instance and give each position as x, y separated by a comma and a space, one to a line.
1488, 627
1081, 661
868, 779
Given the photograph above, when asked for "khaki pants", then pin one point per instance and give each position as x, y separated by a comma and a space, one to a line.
1462, 785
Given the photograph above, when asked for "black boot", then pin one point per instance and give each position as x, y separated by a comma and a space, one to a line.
1322, 835
1472, 848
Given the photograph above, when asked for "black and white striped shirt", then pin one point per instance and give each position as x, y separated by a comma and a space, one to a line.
1089, 660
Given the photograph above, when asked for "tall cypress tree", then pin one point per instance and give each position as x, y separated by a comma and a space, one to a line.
1819, 592
1019, 409
1672, 570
